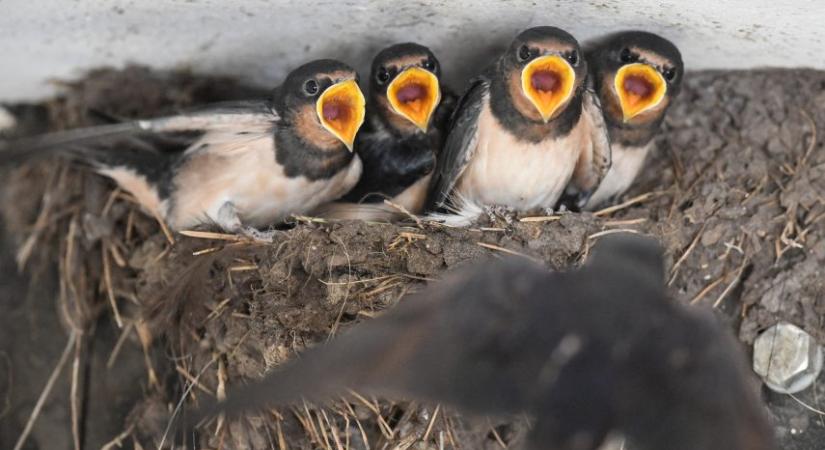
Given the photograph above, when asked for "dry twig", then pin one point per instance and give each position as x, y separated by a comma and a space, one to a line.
44, 395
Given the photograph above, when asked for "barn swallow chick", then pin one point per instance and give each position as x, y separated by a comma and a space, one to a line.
636, 76
521, 130
239, 165
407, 114
585, 353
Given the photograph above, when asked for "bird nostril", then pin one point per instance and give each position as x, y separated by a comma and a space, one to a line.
638, 86
545, 80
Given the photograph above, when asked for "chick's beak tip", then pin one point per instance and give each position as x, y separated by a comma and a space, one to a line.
415, 94
341, 110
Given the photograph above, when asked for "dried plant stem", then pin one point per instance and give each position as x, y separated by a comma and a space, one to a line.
44, 395
76, 393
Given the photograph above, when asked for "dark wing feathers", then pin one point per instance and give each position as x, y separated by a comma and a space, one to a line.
460, 144
594, 159
444, 112
391, 165
632, 255
218, 117
364, 361
32, 147
602, 154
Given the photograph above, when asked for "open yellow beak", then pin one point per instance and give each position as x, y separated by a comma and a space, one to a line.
341, 109
548, 83
640, 87
414, 94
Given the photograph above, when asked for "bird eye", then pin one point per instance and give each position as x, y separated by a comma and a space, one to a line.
573, 57
626, 55
429, 64
311, 87
670, 74
524, 53
382, 76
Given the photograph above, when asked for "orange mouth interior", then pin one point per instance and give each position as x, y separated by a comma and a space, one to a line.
415, 94
640, 88
341, 110
548, 83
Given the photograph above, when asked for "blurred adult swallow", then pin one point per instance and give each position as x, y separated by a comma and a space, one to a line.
636, 75
522, 130
240, 165
587, 352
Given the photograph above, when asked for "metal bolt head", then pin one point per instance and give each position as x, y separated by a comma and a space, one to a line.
787, 358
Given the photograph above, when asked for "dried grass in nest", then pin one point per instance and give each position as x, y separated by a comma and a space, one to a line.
739, 214
83, 228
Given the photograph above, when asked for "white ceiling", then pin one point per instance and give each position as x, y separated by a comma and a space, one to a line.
260, 40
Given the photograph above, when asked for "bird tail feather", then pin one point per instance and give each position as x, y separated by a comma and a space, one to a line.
76, 143
462, 212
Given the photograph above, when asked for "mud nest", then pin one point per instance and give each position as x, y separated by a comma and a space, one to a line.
735, 192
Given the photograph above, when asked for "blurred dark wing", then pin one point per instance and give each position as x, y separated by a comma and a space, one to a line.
631, 254
460, 145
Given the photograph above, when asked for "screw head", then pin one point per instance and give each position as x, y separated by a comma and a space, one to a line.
787, 358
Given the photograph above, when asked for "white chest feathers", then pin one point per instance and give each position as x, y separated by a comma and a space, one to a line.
518, 174
269, 196
627, 163
255, 184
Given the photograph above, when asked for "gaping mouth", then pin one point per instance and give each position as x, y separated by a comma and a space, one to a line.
414, 94
640, 87
341, 110
548, 83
